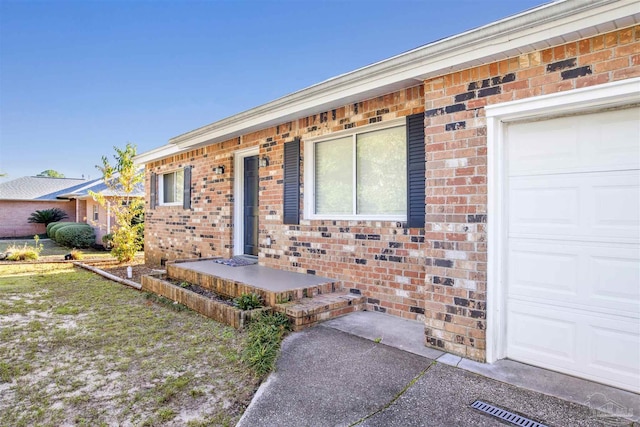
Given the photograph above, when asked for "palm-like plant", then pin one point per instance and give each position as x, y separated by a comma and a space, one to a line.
47, 216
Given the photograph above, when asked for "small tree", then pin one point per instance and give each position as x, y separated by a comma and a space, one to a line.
51, 174
47, 216
122, 179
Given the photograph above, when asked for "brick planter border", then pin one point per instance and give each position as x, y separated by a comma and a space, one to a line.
212, 309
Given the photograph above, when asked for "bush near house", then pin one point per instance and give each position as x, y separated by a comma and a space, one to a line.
75, 236
51, 232
50, 226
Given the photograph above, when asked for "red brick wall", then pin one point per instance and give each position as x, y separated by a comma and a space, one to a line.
206, 230
382, 259
455, 129
334, 249
14, 216
438, 273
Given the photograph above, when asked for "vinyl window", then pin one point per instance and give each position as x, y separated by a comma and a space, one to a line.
360, 176
171, 188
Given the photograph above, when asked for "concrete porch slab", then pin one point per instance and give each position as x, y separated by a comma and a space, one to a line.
404, 334
269, 279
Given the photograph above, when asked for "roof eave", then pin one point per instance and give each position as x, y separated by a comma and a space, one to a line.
545, 26
155, 154
33, 200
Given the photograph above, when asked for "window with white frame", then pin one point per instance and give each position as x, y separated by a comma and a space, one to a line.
361, 176
171, 188
95, 212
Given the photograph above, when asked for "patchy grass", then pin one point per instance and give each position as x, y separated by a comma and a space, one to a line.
76, 349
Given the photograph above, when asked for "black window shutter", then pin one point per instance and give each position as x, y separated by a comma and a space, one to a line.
153, 197
292, 182
415, 171
186, 196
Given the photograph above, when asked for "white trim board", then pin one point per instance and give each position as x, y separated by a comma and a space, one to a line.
610, 95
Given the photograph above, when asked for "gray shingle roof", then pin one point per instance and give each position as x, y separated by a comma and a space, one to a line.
37, 187
44, 188
98, 186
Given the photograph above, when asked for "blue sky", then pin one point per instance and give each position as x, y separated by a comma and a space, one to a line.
78, 77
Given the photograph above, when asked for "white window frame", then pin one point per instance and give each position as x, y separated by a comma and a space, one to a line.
577, 101
96, 213
160, 189
309, 173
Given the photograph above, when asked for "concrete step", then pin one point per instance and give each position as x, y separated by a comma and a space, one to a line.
309, 311
272, 285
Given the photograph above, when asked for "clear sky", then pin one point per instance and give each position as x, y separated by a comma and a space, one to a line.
78, 77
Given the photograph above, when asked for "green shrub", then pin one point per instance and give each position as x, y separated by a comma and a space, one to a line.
264, 335
57, 226
49, 227
76, 236
248, 301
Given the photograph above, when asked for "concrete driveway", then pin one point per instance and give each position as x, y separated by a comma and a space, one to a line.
327, 377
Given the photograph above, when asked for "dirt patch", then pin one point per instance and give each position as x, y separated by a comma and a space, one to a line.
137, 271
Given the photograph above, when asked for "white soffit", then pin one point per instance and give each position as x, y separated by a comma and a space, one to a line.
548, 25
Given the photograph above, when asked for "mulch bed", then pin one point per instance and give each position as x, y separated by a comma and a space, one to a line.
201, 291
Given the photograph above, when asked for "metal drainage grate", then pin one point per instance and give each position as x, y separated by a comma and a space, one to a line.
514, 419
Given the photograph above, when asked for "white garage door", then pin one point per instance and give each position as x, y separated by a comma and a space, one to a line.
573, 249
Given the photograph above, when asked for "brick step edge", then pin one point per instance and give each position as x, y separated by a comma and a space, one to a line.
309, 311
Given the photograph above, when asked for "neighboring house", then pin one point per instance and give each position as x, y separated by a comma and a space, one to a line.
495, 197
94, 214
21, 197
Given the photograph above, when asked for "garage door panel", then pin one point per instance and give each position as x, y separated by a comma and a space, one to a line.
576, 342
615, 279
529, 151
575, 143
614, 348
532, 335
616, 205
572, 245
530, 207
584, 206
620, 130
542, 269
597, 277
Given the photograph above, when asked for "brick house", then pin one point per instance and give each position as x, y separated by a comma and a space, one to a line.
21, 197
485, 184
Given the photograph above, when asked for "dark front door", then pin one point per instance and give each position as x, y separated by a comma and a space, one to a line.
251, 183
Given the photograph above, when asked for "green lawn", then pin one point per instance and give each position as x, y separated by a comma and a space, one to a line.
76, 349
